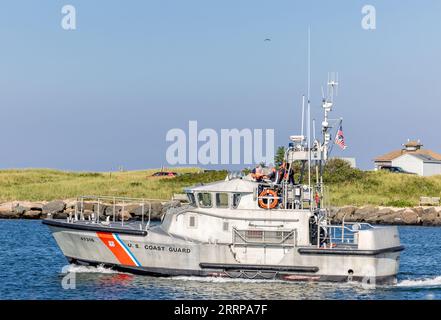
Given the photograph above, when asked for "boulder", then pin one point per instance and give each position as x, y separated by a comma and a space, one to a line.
71, 204
156, 210
364, 213
124, 215
87, 214
20, 210
437, 221
391, 218
70, 211
170, 205
344, 213
60, 215
101, 207
85, 205
7, 206
377, 217
54, 207
410, 217
430, 217
8, 214
133, 208
109, 210
35, 206
32, 214
333, 212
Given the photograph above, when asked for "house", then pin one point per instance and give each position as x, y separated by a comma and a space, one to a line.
412, 158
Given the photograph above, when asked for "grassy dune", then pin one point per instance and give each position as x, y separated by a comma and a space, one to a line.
46, 184
347, 186
384, 188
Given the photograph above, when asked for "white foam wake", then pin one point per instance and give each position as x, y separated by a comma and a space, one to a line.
224, 279
73, 268
427, 282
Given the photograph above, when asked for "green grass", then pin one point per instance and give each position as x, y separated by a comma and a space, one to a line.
46, 184
384, 189
346, 186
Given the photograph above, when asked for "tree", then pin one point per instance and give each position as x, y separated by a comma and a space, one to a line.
279, 157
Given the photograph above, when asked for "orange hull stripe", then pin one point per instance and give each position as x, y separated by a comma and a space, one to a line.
118, 251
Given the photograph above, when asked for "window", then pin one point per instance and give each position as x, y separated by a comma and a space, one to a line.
204, 200
192, 222
222, 200
191, 199
254, 234
226, 226
236, 200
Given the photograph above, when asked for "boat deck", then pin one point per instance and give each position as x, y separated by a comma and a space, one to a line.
127, 227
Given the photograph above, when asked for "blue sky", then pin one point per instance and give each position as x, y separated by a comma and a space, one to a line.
106, 94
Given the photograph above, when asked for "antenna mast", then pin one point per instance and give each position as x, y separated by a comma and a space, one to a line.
327, 104
309, 114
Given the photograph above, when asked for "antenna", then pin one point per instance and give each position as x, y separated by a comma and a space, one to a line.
309, 113
327, 105
303, 114
332, 86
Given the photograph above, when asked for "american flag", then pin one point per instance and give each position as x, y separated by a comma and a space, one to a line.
340, 139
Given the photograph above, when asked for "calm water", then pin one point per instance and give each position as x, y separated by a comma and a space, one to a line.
31, 268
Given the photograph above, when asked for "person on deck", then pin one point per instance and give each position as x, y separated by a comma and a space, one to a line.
285, 174
257, 173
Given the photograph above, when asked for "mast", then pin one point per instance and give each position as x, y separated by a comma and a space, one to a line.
309, 118
303, 114
327, 105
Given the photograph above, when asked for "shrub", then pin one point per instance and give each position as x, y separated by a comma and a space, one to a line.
399, 203
340, 171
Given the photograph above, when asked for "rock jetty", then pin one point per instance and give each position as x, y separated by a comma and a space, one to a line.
61, 209
426, 216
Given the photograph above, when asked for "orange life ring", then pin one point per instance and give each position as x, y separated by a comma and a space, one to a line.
274, 202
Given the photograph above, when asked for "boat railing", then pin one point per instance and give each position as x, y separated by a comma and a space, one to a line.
292, 196
344, 234
268, 237
117, 205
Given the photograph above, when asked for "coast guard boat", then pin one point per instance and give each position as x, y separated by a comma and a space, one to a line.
242, 227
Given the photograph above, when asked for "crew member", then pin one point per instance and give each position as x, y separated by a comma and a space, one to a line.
257, 173
286, 174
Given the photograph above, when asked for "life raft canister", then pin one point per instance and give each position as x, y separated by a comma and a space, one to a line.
271, 198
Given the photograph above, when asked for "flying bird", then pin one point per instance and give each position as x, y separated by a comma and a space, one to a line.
267, 39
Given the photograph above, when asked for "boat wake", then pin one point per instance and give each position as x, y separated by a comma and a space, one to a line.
73, 268
417, 283
224, 279
427, 282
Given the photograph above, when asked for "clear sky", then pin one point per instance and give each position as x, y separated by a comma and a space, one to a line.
106, 94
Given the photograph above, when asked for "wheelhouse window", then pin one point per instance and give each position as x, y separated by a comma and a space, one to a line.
191, 199
236, 200
222, 200
204, 200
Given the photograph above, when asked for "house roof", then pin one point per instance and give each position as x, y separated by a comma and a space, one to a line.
425, 157
396, 153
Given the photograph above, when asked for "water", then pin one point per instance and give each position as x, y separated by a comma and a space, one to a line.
31, 268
